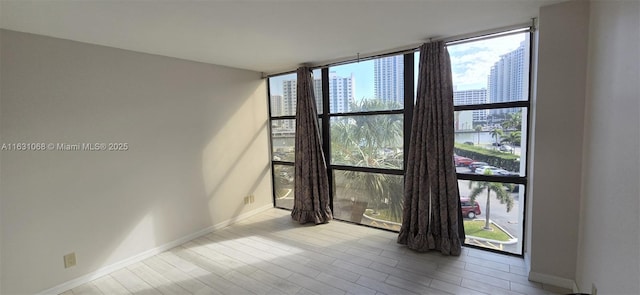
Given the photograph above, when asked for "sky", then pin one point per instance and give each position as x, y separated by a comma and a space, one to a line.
470, 64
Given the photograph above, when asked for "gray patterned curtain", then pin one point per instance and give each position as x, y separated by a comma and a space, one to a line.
432, 219
311, 200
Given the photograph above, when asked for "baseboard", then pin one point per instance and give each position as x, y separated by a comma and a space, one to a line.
553, 280
550, 280
151, 252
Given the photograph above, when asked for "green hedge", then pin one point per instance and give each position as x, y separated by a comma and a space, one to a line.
509, 162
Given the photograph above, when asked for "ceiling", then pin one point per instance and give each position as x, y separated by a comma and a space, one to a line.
262, 35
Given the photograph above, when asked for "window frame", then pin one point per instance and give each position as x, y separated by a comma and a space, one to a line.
407, 112
518, 180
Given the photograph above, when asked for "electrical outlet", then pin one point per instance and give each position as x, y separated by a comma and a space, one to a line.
246, 200
69, 260
594, 290
252, 198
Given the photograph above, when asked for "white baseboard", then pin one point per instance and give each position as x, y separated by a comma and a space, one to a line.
151, 252
553, 280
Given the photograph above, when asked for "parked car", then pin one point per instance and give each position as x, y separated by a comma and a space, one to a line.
469, 210
494, 171
286, 177
506, 148
496, 144
474, 165
461, 161
514, 188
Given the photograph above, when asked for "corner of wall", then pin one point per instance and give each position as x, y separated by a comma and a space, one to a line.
1, 222
531, 156
552, 280
608, 255
557, 142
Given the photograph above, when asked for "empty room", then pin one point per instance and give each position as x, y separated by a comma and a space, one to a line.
319, 147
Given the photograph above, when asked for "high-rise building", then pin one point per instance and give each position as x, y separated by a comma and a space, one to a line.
276, 105
508, 79
289, 99
462, 121
474, 96
341, 95
317, 92
341, 92
389, 79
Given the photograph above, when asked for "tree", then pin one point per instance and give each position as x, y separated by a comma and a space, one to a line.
496, 133
512, 138
371, 141
478, 128
513, 122
499, 191
381, 189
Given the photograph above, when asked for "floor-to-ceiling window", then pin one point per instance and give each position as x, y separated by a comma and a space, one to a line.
491, 102
282, 111
366, 135
364, 110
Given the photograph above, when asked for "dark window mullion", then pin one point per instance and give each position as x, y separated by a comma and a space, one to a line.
368, 113
273, 173
284, 163
292, 117
326, 135
493, 178
408, 105
368, 169
491, 106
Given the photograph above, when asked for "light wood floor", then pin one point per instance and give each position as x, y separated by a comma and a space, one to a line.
270, 254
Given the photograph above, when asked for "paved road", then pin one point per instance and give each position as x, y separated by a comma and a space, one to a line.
511, 221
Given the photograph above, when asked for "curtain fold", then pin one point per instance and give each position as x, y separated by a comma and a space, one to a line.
432, 219
311, 199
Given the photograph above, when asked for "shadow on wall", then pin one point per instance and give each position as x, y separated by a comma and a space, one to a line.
110, 206
173, 198
235, 163
230, 162
180, 193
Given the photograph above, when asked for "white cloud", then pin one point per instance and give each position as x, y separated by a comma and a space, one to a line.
471, 62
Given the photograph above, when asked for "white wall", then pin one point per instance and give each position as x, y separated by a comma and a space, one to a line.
609, 248
1, 276
556, 162
197, 136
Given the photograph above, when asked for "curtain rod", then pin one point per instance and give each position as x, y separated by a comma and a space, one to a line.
453, 40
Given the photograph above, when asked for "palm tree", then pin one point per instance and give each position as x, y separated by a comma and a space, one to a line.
380, 189
512, 138
478, 128
514, 122
371, 141
496, 133
497, 188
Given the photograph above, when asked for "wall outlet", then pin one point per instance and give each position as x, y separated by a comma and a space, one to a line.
69, 260
249, 199
594, 290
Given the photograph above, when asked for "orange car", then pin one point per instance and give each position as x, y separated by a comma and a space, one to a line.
461, 161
